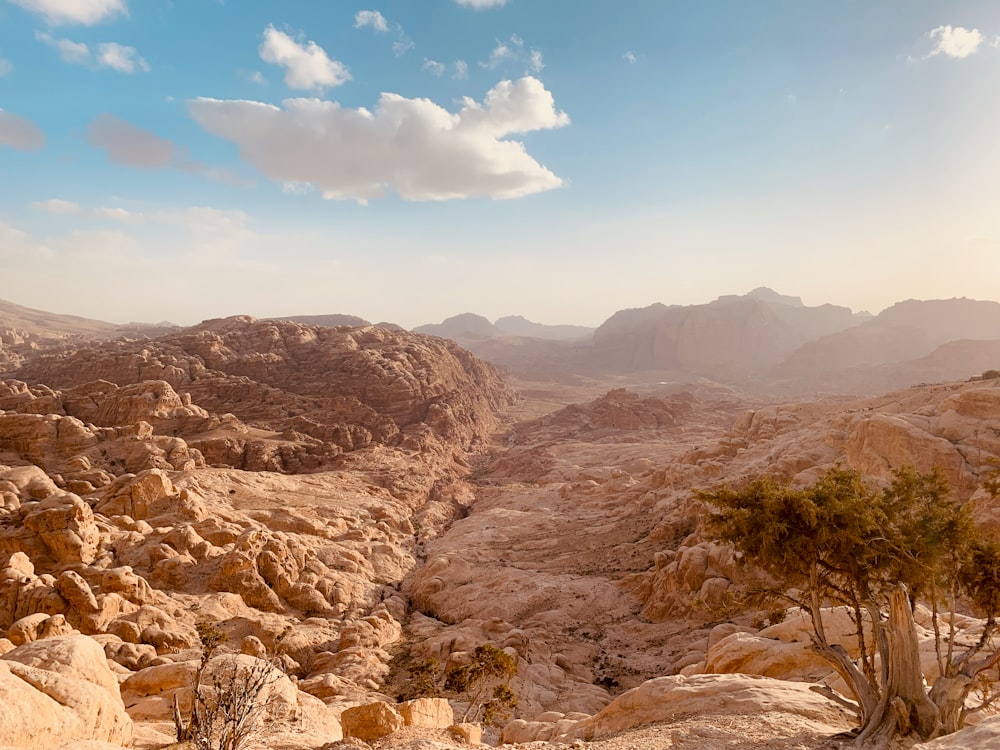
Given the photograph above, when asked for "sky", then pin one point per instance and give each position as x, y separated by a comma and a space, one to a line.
409, 160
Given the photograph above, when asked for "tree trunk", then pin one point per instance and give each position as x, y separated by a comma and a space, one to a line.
905, 707
949, 694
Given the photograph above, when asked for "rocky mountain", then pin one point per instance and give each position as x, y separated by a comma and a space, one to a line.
25, 331
516, 325
472, 329
907, 332
726, 339
331, 321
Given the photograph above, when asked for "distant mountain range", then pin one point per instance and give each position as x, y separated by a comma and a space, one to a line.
761, 341
469, 326
765, 342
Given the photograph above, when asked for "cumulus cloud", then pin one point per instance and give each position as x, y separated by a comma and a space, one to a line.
370, 18
127, 145
86, 12
481, 4
306, 66
413, 147
109, 55
955, 41
461, 70
433, 67
20, 133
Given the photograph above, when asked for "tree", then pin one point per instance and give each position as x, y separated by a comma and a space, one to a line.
230, 711
843, 542
484, 682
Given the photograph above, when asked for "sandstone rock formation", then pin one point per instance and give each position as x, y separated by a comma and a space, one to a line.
57, 690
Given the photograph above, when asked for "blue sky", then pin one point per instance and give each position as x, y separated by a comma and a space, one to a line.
560, 159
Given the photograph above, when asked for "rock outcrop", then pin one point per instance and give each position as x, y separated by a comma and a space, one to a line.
57, 690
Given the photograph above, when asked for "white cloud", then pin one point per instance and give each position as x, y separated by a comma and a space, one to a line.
433, 67
58, 207
370, 18
86, 12
5, 67
461, 70
306, 66
630, 57
514, 51
402, 45
20, 133
120, 57
955, 41
109, 55
411, 146
258, 78
72, 52
377, 21
499, 54
481, 4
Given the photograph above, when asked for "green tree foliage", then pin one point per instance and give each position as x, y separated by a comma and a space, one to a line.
483, 682
842, 542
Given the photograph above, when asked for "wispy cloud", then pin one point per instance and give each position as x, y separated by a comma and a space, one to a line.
120, 57
128, 145
630, 57
377, 21
86, 12
6, 66
370, 18
482, 4
954, 41
433, 67
20, 133
307, 66
461, 70
414, 147
514, 51
108, 55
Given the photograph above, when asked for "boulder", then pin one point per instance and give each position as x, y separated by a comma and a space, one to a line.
60, 689
371, 721
433, 713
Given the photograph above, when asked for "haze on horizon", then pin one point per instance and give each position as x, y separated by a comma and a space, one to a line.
407, 162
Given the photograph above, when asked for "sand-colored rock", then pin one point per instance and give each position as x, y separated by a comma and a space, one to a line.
433, 713
60, 689
982, 736
371, 721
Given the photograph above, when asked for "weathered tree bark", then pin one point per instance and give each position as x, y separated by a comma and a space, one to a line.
905, 707
949, 694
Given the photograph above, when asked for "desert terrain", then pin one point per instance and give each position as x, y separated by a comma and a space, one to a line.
347, 503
